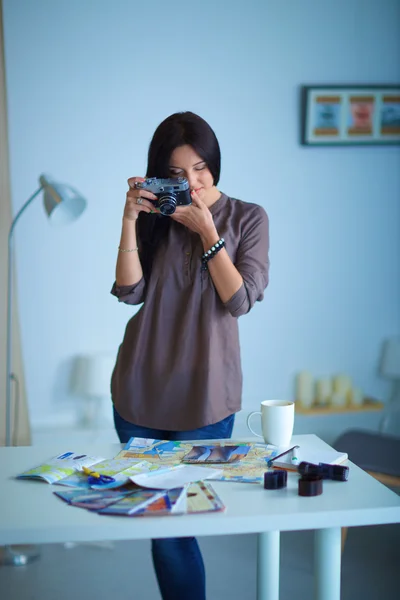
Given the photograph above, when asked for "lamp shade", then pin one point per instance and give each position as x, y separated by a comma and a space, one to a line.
390, 361
62, 202
91, 375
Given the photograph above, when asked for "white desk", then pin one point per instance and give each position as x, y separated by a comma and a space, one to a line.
31, 514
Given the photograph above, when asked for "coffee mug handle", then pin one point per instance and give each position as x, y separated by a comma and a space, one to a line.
255, 412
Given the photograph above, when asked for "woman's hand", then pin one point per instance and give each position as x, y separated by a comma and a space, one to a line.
196, 217
137, 200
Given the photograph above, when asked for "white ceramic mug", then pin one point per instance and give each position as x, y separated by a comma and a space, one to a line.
277, 421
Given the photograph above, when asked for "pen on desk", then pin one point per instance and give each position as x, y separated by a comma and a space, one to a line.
269, 464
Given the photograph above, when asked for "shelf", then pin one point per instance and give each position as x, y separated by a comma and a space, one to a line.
369, 405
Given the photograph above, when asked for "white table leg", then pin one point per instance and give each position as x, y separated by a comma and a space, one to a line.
327, 562
268, 565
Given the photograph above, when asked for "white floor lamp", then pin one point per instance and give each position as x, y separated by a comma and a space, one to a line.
90, 380
63, 204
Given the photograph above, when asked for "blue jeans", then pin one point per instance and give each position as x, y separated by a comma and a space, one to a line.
177, 562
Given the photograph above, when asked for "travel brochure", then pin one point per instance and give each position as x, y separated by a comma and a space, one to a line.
215, 454
61, 466
151, 477
66, 469
92, 499
119, 470
167, 478
196, 497
247, 461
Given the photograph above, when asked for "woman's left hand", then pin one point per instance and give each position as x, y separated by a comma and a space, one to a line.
196, 217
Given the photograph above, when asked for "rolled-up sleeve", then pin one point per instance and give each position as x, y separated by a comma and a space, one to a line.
252, 262
130, 294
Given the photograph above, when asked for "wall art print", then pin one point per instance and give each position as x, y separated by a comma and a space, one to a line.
351, 114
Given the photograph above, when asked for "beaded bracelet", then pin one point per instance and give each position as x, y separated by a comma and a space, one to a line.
127, 249
211, 253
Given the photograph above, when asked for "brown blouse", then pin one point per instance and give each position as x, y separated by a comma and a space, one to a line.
178, 367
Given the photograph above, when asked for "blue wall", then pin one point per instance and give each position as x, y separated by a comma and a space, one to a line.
88, 82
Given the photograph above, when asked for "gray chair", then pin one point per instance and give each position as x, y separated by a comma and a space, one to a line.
375, 452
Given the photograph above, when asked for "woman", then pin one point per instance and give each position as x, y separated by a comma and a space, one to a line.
178, 371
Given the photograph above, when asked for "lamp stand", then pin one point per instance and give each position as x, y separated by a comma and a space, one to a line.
9, 373
14, 555
90, 412
66, 204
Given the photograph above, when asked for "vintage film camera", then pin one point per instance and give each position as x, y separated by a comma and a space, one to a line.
170, 192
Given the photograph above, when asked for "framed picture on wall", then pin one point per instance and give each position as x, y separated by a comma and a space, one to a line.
350, 115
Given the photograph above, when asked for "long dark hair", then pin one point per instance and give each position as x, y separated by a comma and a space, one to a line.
179, 129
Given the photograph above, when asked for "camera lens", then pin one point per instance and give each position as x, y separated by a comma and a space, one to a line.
167, 205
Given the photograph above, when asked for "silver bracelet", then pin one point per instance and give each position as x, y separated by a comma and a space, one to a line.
127, 249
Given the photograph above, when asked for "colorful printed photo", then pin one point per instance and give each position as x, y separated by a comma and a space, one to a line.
327, 115
215, 454
360, 117
390, 115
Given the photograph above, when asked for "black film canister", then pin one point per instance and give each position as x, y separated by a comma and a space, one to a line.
335, 472
306, 468
275, 480
326, 471
310, 485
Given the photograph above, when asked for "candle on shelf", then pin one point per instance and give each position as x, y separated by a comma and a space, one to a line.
323, 391
305, 389
338, 399
356, 396
341, 384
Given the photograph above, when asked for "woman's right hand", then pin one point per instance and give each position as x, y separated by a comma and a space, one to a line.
137, 200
